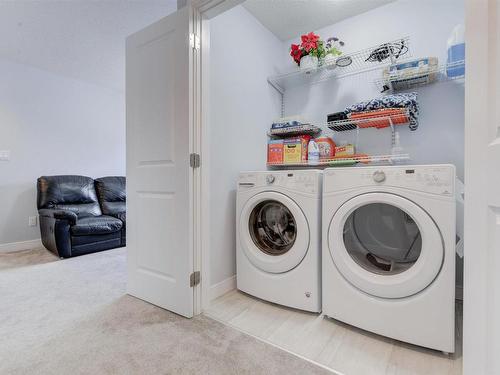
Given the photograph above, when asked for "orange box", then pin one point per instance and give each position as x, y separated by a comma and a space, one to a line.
275, 151
295, 149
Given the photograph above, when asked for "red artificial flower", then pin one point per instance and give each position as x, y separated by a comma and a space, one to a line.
296, 52
309, 41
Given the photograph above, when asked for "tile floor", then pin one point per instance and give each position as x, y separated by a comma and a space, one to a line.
343, 348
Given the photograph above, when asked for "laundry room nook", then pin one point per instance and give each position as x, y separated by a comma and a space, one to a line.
332, 153
300, 171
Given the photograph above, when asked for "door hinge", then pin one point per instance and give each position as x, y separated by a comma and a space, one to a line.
194, 160
194, 279
194, 41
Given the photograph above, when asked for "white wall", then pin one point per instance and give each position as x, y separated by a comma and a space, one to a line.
52, 125
440, 136
242, 54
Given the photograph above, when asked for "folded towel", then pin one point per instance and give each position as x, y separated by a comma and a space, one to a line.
295, 130
285, 124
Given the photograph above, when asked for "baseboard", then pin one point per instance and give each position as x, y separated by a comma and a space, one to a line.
19, 246
222, 287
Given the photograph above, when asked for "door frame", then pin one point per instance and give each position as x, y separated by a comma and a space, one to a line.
481, 291
201, 13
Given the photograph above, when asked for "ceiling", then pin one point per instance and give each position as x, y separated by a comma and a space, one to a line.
289, 18
85, 39
81, 39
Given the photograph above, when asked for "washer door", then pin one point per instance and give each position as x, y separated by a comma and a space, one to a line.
385, 245
274, 232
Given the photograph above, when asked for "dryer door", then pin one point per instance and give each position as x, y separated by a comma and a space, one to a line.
385, 245
274, 232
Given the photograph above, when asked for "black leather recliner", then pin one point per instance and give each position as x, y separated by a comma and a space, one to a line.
71, 220
111, 193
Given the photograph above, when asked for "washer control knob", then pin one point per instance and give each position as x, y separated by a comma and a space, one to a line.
270, 179
379, 176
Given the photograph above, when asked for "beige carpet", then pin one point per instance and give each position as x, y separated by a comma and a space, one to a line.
72, 316
26, 258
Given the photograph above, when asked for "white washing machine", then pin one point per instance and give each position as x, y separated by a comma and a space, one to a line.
389, 251
278, 225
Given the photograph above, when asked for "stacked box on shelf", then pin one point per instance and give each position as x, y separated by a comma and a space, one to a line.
295, 149
294, 136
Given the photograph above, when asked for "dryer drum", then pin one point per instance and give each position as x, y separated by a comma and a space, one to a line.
382, 238
272, 227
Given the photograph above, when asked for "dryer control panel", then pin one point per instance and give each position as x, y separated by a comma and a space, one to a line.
307, 181
434, 179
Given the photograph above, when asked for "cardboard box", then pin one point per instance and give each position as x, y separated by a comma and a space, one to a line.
295, 149
344, 151
275, 151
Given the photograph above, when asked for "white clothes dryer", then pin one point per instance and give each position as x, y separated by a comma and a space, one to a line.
389, 251
278, 236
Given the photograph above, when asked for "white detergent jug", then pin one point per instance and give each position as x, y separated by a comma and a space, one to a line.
313, 153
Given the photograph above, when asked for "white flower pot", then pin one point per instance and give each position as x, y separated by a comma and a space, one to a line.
308, 62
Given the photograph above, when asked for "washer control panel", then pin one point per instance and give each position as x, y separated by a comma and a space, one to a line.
434, 179
307, 181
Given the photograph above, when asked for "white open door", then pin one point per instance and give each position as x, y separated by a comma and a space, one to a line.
159, 176
482, 194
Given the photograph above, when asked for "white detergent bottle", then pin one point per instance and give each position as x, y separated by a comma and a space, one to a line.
312, 153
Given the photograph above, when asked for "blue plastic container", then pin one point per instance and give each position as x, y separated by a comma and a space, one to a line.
456, 60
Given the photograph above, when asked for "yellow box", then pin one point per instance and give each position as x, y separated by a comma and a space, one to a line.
295, 149
344, 150
292, 153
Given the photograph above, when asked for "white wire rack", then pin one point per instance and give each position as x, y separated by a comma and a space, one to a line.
439, 73
374, 121
346, 161
350, 132
345, 65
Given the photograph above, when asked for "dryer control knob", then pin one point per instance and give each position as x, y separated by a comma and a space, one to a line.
379, 176
270, 179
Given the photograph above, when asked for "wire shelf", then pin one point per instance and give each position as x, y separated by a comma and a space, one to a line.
439, 73
372, 119
345, 65
346, 161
